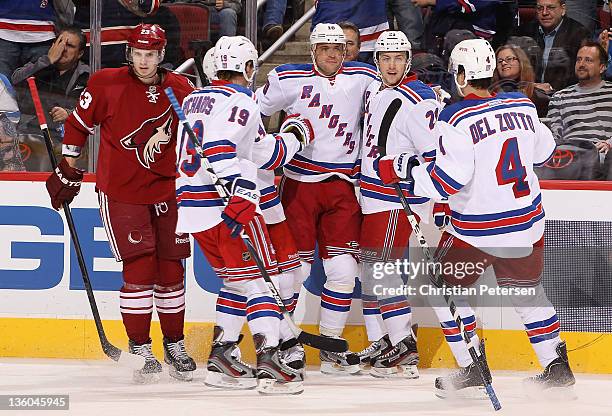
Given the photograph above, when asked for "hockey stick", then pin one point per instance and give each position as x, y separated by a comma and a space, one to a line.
127, 359
312, 340
436, 279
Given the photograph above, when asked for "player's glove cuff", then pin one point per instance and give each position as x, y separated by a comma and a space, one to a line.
393, 169
245, 189
300, 127
441, 214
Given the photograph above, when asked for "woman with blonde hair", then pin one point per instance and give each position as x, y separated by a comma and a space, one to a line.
515, 73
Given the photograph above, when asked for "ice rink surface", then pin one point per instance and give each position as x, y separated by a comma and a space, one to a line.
103, 388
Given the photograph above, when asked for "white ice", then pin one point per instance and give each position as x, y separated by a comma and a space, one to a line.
103, 388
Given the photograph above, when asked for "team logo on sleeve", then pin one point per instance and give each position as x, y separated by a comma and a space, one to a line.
148, 139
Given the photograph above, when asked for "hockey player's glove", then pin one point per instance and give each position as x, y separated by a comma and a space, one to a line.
64, 184
441, 214
300, 127
392, 169
242, 205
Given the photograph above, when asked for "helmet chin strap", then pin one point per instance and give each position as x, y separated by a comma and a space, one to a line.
460, 87
406, 70
147, 77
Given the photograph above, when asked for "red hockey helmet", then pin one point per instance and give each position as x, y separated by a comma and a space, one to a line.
147, 36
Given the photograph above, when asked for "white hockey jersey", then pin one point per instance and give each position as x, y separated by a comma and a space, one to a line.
413, 130
269, 158
227, 120
333, 106
484, 165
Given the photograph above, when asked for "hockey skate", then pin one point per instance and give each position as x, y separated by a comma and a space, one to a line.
339, 363
275, 377
151, 371
399, 362
465, 382
292, 354
225, 369
372, 351
181, 365
557, 378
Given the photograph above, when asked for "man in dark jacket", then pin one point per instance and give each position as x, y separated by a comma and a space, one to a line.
60, 76
559, 37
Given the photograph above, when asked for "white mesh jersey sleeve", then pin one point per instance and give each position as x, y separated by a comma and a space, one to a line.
272, 151
544, 144
453, 167
271, 96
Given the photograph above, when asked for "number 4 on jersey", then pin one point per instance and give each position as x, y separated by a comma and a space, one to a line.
510, 169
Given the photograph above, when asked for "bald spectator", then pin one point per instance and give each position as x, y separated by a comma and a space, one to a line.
559, 37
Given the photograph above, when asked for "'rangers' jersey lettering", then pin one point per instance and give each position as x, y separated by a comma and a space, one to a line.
333, 106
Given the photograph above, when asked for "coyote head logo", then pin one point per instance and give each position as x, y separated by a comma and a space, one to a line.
148, 139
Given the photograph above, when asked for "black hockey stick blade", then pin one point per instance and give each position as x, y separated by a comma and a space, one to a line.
383, 134
385, 125
127, 359
323, 343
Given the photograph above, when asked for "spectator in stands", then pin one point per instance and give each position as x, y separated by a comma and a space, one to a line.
370, 16
584, 12
119, 17
409, 20
60, 76
451, 39
584, 111
225, 13
531, 49
559, 37
10, 156
478, 16
515, 73
351, 31
604, 41
273, 19
26, 32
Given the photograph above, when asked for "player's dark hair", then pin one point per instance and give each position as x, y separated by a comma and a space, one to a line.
225, 75
345, 24
603, 54
75, 31
482, 84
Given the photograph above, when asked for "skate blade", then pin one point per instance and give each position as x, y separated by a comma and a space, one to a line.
401, 371
223, 381
180, 375
145, 378
269, 386
334, 369
469, 393
556, 394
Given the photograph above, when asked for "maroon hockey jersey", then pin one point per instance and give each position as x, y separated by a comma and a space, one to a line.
137, 158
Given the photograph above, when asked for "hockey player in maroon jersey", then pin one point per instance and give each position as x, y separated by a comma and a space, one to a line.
135, 183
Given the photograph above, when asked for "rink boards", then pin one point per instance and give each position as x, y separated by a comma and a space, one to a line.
44, 311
